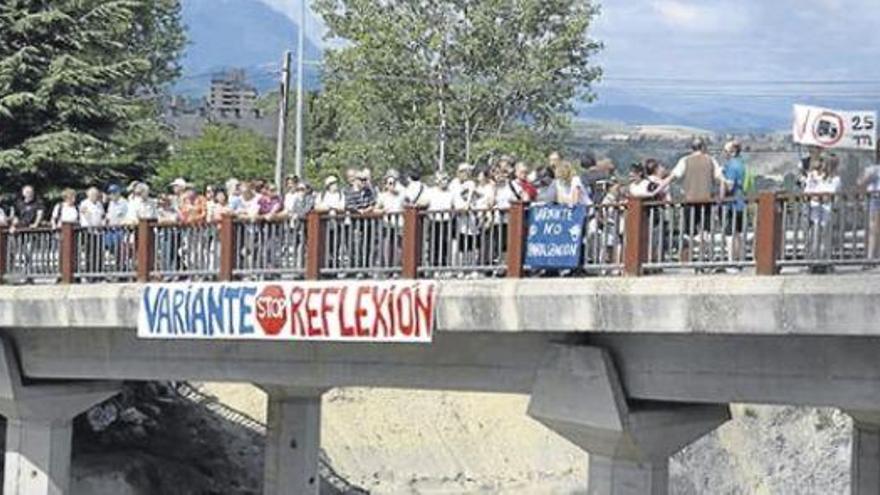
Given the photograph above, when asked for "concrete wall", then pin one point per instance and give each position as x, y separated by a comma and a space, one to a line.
801, 305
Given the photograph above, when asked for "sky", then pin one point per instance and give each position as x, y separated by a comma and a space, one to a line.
760, 54
709, 42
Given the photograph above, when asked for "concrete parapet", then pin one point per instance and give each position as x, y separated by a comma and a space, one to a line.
578, 394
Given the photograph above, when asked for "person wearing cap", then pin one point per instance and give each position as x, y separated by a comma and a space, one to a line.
117, 206
178, 191
359, 198
304, 202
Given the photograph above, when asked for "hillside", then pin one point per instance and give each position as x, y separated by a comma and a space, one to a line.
236, 33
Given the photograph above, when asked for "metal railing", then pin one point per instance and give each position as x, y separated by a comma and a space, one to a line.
605, 239
186, 251
32, 255
362, 245
106, 253
825, 230
719, 234
766, 234
464, 242
270, 249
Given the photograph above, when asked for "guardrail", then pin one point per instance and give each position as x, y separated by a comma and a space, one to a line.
710, 235
767, 234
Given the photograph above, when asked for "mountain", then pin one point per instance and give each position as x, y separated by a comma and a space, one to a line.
718, 119
627, 114
238, 34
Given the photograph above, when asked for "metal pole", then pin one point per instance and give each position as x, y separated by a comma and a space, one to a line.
282, 122
300, 59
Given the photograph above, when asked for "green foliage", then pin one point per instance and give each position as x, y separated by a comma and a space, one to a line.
524, 144
221, 152
79, 88
488, 67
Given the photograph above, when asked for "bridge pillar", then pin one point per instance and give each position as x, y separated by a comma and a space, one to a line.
39, 422
865, 460
578, 394
293, 442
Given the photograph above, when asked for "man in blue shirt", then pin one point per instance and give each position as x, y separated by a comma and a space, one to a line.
735, 175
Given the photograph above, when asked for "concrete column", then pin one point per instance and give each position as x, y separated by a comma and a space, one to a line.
37, 459
610, 476
579, 395
293, 443
865, 460
39, 425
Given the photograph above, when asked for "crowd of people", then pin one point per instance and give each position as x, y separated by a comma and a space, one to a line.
495, 186
595, 184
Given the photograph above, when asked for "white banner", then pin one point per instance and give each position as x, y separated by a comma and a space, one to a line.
388, 311
816, 126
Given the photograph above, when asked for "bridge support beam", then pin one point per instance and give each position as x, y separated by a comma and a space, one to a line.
293, 442
578, 394
39, 422
865, 460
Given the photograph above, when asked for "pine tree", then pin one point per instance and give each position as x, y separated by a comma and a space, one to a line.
79, 88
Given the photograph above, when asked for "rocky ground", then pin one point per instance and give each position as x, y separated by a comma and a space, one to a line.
156, 441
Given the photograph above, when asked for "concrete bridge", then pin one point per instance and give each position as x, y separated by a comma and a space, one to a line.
629, 369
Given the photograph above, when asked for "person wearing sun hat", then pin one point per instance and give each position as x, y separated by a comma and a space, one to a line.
331, 198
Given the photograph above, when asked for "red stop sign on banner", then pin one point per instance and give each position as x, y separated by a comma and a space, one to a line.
271, 306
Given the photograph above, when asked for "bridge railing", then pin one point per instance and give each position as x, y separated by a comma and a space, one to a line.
362, 245
764, 234
701, 235
30, 255
268, 249
824, 230
105, 253
605, 239
463, 243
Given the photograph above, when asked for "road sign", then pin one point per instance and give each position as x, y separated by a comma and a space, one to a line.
816, 126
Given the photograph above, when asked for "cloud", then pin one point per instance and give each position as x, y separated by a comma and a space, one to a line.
315, 28
700, 17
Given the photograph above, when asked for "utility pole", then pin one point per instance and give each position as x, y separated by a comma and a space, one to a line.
300, 103
282, 122
441, 162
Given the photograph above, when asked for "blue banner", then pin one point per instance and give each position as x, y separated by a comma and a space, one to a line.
556, 235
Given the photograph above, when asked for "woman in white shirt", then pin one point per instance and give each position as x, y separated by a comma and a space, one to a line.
65, 211
441, 201
570, 191
822, 183
91, 209
390, 203
331, 198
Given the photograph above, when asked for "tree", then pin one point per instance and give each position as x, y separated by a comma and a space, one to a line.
411, 71
221, 152
80, 82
